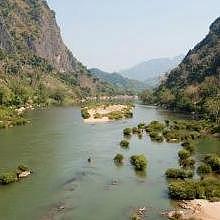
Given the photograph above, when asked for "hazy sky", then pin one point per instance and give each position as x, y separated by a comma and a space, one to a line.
116, 34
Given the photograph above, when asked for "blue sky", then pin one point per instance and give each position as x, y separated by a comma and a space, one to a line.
116, 34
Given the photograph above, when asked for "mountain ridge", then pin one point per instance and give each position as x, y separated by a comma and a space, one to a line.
152, 68
33, 56
116, 79
194, 86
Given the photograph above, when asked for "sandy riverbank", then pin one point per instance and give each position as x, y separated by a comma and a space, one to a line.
197, 209
100, 114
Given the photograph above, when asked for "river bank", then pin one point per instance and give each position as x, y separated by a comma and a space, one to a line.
196, 209
106, 112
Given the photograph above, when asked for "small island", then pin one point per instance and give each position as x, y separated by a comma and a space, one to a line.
106, 112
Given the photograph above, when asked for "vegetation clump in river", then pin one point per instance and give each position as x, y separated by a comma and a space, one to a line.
139, 162
13, 176
179, 173
124, 144
195, 189
119, 159
185, 132
127, 131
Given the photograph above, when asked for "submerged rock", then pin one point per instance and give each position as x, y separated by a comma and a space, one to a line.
24, 174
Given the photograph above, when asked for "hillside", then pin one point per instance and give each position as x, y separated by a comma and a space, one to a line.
194, 86
150, 71
117, 80
35, 64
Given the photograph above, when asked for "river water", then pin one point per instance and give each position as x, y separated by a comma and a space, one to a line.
57, 144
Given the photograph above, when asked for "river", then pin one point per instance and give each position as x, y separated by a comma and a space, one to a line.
57, 144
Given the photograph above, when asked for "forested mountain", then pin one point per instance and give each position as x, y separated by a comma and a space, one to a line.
195, 84
151, 70
117, 80
35, 64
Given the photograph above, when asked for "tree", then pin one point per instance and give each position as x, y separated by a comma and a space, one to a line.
166, 97
146, 97
212, 107
139, 162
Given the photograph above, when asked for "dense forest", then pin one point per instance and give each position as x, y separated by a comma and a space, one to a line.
194, 86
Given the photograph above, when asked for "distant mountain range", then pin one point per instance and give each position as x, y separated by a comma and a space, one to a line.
118, 81
151, 70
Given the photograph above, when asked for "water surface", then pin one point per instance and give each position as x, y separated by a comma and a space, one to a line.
65, 186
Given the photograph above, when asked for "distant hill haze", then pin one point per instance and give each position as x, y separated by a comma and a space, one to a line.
152, 69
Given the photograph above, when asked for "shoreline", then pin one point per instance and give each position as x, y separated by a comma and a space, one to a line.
105, 113
200, 209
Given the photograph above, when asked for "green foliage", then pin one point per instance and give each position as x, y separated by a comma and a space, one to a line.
127, 131
183, 154
85, 114
9, 118
155, 126
155, 136
187, 163
135, 130
213, 161
115, 115
147, 97
178, 173
58, 95
141, 125
124, 144
118, 158
189, 146
204, 169
191, 189
139, 162
97, 116
7, 178
23, 168
135, 217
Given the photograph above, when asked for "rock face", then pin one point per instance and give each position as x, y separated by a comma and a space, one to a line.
34, 25
28, 30
200, 62
50, 45
5, 37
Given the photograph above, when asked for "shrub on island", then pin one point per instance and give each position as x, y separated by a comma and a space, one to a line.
135, 130
187, 163
139, 162
213, 161
97, 116
204, 169
155, 126
8, 177
191, 189
118, 158
85, 114
178, 173
155, 136
183, 154
141, 125
189, 146
124, 144
115, 115
171, 135
128, 114
127, 131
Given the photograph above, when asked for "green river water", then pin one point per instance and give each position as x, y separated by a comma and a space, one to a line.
57, 144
